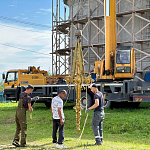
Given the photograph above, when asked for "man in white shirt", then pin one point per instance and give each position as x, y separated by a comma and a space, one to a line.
58, 118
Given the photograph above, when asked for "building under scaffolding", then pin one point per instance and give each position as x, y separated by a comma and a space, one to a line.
133, 29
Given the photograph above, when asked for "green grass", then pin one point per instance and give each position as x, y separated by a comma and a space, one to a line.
124, 128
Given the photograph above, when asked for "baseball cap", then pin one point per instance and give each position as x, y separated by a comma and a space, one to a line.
30, 87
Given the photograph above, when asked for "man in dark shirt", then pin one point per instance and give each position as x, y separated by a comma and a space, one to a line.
20, 117
98, 116
125, 59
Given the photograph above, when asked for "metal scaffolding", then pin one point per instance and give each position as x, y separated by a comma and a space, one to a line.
133, 29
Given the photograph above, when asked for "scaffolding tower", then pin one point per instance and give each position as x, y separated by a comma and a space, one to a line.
133, 29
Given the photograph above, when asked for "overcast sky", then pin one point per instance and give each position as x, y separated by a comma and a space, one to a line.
19, 40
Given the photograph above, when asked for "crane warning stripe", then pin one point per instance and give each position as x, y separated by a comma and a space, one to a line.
138, 99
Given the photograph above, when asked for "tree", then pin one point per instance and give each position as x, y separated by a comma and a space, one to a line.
1, 85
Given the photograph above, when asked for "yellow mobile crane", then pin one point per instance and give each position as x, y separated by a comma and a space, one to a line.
115, 66
114, 73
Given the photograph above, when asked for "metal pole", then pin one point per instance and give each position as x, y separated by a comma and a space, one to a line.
56, 32
97, 31
52, 41
133, 24
141, 39
71, 34
59, 37
65, 38
89, 35
69, 71
119, 8
81, 24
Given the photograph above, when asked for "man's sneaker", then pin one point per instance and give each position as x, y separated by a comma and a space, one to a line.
15, 144
55, 144
61, 146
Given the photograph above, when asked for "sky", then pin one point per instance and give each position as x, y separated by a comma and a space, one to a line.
25, 34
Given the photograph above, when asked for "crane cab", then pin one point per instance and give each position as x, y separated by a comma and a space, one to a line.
124, 63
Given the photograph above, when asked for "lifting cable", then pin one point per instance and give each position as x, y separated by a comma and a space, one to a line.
69, 89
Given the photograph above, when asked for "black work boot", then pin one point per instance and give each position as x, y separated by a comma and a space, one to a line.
97, 144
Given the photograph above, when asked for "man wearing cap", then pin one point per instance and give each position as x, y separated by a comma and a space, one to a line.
98, 116
20, 117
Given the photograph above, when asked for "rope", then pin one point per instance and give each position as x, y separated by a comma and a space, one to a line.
69, 89
32, 120
31, 116
82, 129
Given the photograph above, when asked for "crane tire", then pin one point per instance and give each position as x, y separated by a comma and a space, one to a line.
83, 100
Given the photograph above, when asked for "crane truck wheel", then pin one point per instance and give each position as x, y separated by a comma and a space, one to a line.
108, 104
83, 100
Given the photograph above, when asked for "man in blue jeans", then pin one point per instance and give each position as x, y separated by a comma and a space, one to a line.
58, 119
98, 116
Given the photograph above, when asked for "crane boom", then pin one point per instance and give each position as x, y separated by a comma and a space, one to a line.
119, 62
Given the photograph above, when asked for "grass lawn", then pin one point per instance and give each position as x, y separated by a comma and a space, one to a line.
124, 128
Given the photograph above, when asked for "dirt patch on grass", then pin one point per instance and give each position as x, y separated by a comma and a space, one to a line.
8, 120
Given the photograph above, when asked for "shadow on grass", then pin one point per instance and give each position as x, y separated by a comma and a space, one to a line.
42, 146
131, 105
128, 107
40, 106
50, 146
